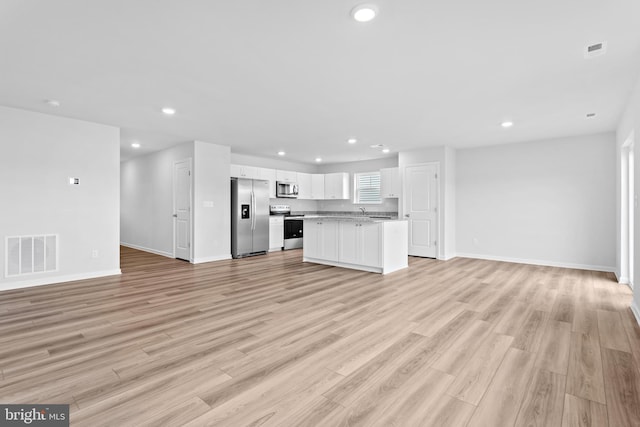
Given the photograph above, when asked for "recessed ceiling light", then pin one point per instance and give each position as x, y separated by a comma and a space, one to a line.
318, 159
364, 12
52, 103
506, 124
352, 140
281, 153
135, 145
169, 111
385, 150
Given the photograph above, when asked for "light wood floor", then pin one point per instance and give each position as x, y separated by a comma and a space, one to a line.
272, 341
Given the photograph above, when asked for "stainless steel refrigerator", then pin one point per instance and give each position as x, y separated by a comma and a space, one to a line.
249, 217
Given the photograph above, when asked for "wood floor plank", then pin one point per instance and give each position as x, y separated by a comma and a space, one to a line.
612, 333
585, 320
579, 412
554, 351
500, 404
543, 403
622, 388
273, 341
355, 384
529, 336
585, 378
463, 349
563, 308
514, 318
421, 401
472, 382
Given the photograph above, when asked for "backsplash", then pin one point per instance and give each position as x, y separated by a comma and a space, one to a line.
296, 204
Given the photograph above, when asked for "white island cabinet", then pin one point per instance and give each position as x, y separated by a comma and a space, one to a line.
379, 246
320, 240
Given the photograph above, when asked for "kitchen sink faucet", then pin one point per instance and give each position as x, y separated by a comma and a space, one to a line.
364, 211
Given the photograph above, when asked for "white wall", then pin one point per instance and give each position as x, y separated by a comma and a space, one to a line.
38, 153
212, 225
445, 157
146, 213
387, 205
265, 162
545, 202
630, 122
147, 201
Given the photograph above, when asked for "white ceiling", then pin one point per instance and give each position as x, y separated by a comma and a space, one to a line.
302, 76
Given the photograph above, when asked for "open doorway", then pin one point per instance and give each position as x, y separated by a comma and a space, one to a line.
628, 201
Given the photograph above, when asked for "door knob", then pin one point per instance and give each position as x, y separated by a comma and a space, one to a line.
175, 215
406, 215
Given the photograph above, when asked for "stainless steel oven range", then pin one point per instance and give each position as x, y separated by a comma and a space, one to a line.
293, 226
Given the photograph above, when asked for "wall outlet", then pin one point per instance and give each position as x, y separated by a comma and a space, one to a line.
94, 253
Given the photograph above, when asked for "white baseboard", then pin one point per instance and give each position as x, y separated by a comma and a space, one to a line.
607, 269
58, 279
636, 311
144, 249
211, 259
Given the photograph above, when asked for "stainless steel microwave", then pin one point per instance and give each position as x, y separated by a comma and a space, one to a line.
286, 190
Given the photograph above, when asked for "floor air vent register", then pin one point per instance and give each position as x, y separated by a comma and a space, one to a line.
31, 254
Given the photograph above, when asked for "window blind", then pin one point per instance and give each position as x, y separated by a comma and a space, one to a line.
368, 187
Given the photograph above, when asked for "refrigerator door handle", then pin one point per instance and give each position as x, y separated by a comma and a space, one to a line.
253, 211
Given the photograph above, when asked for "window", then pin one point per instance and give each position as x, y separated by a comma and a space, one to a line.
367, 188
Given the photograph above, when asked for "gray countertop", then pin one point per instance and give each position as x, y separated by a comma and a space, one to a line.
352, 218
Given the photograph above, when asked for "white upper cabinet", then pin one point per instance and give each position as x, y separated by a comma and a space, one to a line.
390, 182
286, 176
304, 185
269, 175
317, 186
253, 172
241, 171
336, 185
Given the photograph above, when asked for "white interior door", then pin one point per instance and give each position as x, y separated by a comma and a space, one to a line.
421, 208
182, 209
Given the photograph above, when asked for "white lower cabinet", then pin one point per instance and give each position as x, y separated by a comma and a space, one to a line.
276, 233
360, 243
321, 239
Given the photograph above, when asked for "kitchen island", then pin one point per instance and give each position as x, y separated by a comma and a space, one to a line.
358, 242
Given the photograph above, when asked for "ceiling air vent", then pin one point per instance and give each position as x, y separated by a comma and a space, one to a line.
596, 49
